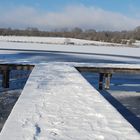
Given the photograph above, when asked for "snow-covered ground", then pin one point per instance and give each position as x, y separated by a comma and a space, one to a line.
137, 43
54, 40
60, 41
57, 102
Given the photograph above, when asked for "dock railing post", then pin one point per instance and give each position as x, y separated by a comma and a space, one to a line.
107, 80
5, 79
101, 78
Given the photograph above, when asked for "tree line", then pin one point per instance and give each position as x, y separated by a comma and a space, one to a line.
123, 37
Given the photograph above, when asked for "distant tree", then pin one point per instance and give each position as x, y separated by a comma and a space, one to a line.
77, 30
64, 30
90, 31
32, 29
90, 34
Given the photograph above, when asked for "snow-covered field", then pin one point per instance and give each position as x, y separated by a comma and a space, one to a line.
57, 102
137, 43
60, 41
54, 40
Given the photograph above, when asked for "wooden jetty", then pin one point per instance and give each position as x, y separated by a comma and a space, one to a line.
105, 73
57, 92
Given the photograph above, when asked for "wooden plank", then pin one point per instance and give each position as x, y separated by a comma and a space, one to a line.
109, 70
15, 67
106, 72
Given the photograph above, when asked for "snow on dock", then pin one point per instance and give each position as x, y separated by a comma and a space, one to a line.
58, 103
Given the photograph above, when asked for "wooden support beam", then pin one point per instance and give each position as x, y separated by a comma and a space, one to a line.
112, 70
15, 67
106, 72
107, 80
5, 79
101, 78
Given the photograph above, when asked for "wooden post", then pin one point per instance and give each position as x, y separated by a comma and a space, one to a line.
101, 78
5, 80
107, 80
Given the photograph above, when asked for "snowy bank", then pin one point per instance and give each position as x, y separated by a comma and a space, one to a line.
54, 40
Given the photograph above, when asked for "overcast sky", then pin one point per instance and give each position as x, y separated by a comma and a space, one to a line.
55, 14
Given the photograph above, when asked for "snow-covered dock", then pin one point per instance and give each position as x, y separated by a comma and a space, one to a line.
58, 103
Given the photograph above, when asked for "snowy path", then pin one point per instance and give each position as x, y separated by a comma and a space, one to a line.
58, 103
